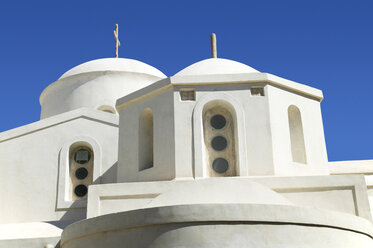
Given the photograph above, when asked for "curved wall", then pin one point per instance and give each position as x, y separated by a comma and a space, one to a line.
92, 90
221, 225
97, 84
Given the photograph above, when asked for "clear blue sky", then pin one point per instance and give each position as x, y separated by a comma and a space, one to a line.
324, 44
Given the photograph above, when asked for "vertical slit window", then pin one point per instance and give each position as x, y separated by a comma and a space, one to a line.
298, 149
146, 139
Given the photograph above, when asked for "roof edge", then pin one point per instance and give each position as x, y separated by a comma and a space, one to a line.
88, 113
142, 92
249, 78
117, 63
95, 73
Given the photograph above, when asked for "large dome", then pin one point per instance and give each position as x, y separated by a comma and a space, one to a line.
216, 66
114, 64
97, 84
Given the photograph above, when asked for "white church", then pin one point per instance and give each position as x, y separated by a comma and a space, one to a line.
217, 155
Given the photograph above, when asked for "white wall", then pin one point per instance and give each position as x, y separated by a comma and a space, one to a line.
161, 104
263, 138
253, 137
91, 90
279, 101
221, 225
363, 167
29, 164
266, 130
341, 193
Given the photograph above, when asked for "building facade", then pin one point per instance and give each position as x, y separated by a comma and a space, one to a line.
218, 155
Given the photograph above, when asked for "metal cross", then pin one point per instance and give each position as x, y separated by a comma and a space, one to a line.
117, 43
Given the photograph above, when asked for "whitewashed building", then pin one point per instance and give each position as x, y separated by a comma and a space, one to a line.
218, 155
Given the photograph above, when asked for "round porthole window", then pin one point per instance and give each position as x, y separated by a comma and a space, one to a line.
219, 143
218, 121
81, 173
81, 190
82, 156
220, 165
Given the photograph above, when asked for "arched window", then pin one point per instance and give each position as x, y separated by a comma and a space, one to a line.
298, 149
145, 139
219, 138
81, 170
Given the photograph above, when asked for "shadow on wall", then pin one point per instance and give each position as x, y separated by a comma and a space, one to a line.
109, 176
75, 213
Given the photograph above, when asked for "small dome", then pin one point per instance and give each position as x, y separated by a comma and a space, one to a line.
215, 66
113, 64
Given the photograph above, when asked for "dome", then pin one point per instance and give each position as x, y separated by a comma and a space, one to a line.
113, 64
216, 66
97, 84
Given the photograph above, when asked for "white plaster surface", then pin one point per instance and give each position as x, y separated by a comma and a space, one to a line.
123, 197
351, 167
279, 101
28, 231
342, 193
272, 201
215, 66
35, 234
226, 79
362, 167
96, 84
113, 64
163, 140
263, 137
221, 225
336, 193
29, 159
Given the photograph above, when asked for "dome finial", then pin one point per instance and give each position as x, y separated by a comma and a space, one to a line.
117, 43
214, 53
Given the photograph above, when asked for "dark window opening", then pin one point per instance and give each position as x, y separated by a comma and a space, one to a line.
219, 143
82, 156
220, 165
80, 190
218, 121
81, 173
188, 95
257, 91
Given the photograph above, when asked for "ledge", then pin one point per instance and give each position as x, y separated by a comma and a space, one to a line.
215, 214
92, 114
226, 79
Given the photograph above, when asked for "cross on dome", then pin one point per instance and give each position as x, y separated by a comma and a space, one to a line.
214, 53
117, 43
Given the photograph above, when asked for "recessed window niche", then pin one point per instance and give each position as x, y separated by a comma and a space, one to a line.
187, 94
219, 138
81, 170
257, 91
79, 164
298, 149
145, 145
